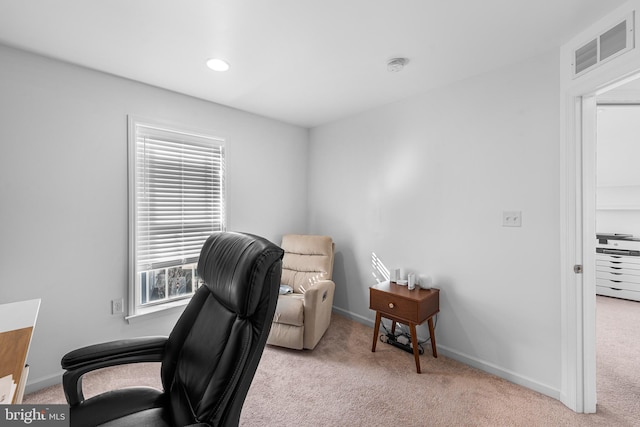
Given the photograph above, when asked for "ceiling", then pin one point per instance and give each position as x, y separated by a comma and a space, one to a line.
304, 62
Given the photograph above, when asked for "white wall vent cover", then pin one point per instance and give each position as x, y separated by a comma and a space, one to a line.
608, 45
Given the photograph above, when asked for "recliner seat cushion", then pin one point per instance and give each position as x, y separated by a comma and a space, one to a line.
290, 310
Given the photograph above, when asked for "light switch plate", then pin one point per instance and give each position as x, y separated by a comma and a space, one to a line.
512, 218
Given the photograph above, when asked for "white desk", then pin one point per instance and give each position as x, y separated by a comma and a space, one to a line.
17, 321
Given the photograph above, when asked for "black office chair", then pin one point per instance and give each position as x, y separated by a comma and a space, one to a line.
211, 355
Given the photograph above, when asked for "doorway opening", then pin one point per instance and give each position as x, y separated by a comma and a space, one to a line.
617, 243
580, 294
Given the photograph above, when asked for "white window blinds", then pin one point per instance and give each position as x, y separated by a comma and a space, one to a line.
179, 194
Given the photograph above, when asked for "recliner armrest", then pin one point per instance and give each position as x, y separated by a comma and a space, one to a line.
319, 292
80, 361
318, 304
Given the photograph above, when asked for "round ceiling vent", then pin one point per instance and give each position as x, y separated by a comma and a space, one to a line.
396, 64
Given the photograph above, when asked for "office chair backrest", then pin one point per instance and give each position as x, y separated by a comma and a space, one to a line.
214, 349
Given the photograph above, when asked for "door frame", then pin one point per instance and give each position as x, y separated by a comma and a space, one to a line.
578, 193
577, 203
577, 227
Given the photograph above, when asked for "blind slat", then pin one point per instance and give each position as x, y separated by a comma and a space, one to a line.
179, 193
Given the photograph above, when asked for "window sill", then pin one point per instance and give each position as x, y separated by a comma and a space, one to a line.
158, 310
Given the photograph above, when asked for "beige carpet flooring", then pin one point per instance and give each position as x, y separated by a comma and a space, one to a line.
342, 383
618, 357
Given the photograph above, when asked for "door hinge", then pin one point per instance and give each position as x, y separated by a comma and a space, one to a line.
577, 269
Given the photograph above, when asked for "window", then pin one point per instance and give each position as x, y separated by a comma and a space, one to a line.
176, 200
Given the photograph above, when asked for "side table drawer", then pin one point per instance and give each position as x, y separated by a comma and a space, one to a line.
393, 305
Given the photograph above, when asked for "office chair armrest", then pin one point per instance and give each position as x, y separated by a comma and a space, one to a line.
80, 361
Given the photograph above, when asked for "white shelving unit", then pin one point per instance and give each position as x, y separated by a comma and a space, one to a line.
618, 276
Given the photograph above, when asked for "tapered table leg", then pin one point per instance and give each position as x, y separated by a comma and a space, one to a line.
432, 335
414, 343
376, 329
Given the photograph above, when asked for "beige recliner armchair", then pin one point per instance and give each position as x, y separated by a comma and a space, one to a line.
303, 316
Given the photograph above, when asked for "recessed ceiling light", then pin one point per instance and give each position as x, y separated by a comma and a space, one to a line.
217, 64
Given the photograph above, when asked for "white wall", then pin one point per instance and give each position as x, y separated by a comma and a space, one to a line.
63, 193
423, 183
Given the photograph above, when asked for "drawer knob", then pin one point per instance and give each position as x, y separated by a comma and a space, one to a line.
391, 305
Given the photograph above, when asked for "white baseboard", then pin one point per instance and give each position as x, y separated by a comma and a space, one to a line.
484, 366
506, 374
44, 382
353, 316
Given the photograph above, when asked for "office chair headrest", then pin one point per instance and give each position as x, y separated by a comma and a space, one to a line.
233, 267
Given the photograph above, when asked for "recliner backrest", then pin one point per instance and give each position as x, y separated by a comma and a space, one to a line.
214, 349
307, 259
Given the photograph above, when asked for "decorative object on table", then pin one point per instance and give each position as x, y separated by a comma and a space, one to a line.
411, 281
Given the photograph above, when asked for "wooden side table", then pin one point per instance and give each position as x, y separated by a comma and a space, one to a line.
398, 304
